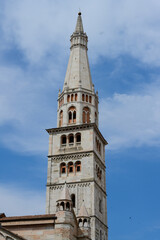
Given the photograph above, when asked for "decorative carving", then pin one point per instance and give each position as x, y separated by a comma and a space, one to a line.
70, 186
70, 157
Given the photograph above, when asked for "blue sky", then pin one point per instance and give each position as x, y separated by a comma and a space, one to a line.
124, 46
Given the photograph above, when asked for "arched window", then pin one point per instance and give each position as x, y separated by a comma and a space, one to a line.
86, 98
72, 115
80, 223
68, 98
71, 139
67, 206
78, 166
70, 167
63, 168
63, 139
78, 138
90, 99
76, 97
73, 200
72, 96
86, 115
61, 118
62, 206
83, 97
85, 224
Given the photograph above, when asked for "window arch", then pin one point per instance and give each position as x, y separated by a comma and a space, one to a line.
72, 115
86, 98
62, 206
61, 118
73, 200
76, 97
78, 166
85, 223
71, 139
70, 167
72, 96
63, 168
80, 223
67, 206
83, 97
68, 98
90, 99
86, 115
78, 137
63, 139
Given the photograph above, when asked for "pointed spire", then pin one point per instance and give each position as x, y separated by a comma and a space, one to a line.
65, 195
79, 25
78, 71
83, 211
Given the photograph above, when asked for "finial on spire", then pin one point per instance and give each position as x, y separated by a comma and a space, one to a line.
79, 25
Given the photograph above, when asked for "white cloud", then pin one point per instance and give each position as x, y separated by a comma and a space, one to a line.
132, 120
114, 27
25, 108
40, 30
16, 202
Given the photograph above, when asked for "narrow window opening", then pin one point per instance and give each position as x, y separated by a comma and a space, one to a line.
63, 168
78, 166
64, 140
74, 116
68, 98
72, 97
67, 206
61, 118
71, 138
70, 167
78, 138
73, 200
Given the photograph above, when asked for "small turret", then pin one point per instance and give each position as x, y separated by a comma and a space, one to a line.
83, 219
65, 202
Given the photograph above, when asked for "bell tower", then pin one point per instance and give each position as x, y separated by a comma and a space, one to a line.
76, 147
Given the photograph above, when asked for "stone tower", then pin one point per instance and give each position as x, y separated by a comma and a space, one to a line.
76, 147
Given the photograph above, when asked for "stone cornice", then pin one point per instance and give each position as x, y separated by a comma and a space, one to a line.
67, 156
78, 127
74, 156
82, 183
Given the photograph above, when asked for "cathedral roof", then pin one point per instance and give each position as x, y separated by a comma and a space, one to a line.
83, 211
28, 217
65, 195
